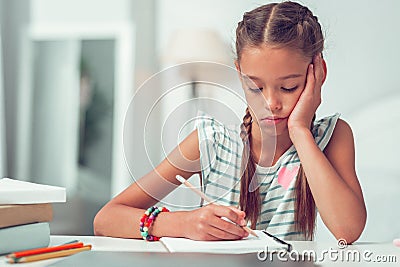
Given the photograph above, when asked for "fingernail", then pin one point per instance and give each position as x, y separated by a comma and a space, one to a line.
242, 222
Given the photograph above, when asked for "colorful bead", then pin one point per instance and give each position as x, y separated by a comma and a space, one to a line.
147, 220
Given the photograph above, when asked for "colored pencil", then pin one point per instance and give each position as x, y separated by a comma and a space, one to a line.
31, 252
50, 255
203, 196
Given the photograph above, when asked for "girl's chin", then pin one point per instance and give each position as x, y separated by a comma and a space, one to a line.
274, 130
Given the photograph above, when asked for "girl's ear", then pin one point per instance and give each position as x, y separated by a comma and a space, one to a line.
325, 70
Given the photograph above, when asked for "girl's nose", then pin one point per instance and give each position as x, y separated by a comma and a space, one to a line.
272, 100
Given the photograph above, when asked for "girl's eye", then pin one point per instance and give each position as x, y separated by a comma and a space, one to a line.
289, 89
255, 90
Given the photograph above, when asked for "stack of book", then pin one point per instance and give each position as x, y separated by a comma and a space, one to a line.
25, 213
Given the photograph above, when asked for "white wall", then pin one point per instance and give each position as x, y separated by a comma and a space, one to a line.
76, 11
14, 17
361, 42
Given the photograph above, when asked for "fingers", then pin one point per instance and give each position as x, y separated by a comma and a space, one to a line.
315, 75
310, 82
318, 70
242, 214
226, 223
225, 234
231, 230
231, 213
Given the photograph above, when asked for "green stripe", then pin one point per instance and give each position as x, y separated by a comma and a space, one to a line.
268, 210
223, 174
235, 191
272, 199
223, 132
275, 198
224, 187
275, 187
326, 131
296, 160
277, 213
288, 234
280, 224
264, 222
227, 162
288, 200
208, 154
284, 212
265, 184
228, 150
220, 198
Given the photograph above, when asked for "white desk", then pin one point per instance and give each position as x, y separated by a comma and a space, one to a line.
372, 250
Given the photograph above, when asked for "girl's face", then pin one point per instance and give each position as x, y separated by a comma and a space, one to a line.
273, 80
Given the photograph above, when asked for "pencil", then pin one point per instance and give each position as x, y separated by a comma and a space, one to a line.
203, 196
50, 255
31, 252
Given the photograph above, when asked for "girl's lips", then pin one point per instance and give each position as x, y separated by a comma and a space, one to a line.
273, 120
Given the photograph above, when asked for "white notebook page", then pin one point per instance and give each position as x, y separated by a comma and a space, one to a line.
246, 245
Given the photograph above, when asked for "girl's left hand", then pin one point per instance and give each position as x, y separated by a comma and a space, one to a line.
310, 98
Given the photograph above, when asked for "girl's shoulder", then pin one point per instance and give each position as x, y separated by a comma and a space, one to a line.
323, 129
211, 130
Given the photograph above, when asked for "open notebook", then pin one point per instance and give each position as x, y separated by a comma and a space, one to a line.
246, 245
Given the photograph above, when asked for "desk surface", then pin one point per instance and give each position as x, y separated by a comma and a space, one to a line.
371, 254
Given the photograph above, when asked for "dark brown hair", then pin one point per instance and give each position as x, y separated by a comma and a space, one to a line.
287, 24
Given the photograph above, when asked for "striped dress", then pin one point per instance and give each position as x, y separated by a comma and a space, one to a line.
220, 158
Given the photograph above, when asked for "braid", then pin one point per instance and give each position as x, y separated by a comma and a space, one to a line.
246, 127
304, 204
249, 199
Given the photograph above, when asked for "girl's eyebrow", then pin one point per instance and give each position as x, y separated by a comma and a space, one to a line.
251, 77
290, 76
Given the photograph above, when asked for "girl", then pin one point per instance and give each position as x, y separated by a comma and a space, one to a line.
279, 166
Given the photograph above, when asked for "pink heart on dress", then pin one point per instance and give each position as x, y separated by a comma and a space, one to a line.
286, 176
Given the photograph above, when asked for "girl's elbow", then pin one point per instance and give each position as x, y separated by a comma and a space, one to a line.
350, 234
347, 237
99, 223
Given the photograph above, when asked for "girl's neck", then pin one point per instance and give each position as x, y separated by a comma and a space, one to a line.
267, 149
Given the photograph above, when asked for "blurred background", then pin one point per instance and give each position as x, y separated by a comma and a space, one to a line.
70, 68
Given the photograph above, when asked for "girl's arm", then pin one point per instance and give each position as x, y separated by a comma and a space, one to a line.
333, 180
120, 217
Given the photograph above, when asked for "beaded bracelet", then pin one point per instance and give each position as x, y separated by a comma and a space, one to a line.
147, 220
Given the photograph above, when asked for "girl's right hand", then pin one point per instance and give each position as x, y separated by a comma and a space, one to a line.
206, 223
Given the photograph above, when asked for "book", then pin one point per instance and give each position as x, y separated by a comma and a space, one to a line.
22, 237
21, 192
246, 245
12, 215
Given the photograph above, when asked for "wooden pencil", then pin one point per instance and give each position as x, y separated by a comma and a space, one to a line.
37, 251
203, 196
50, 255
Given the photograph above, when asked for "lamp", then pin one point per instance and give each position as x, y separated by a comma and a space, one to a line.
191, 45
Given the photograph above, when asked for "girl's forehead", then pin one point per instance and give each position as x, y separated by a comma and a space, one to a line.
277, 62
